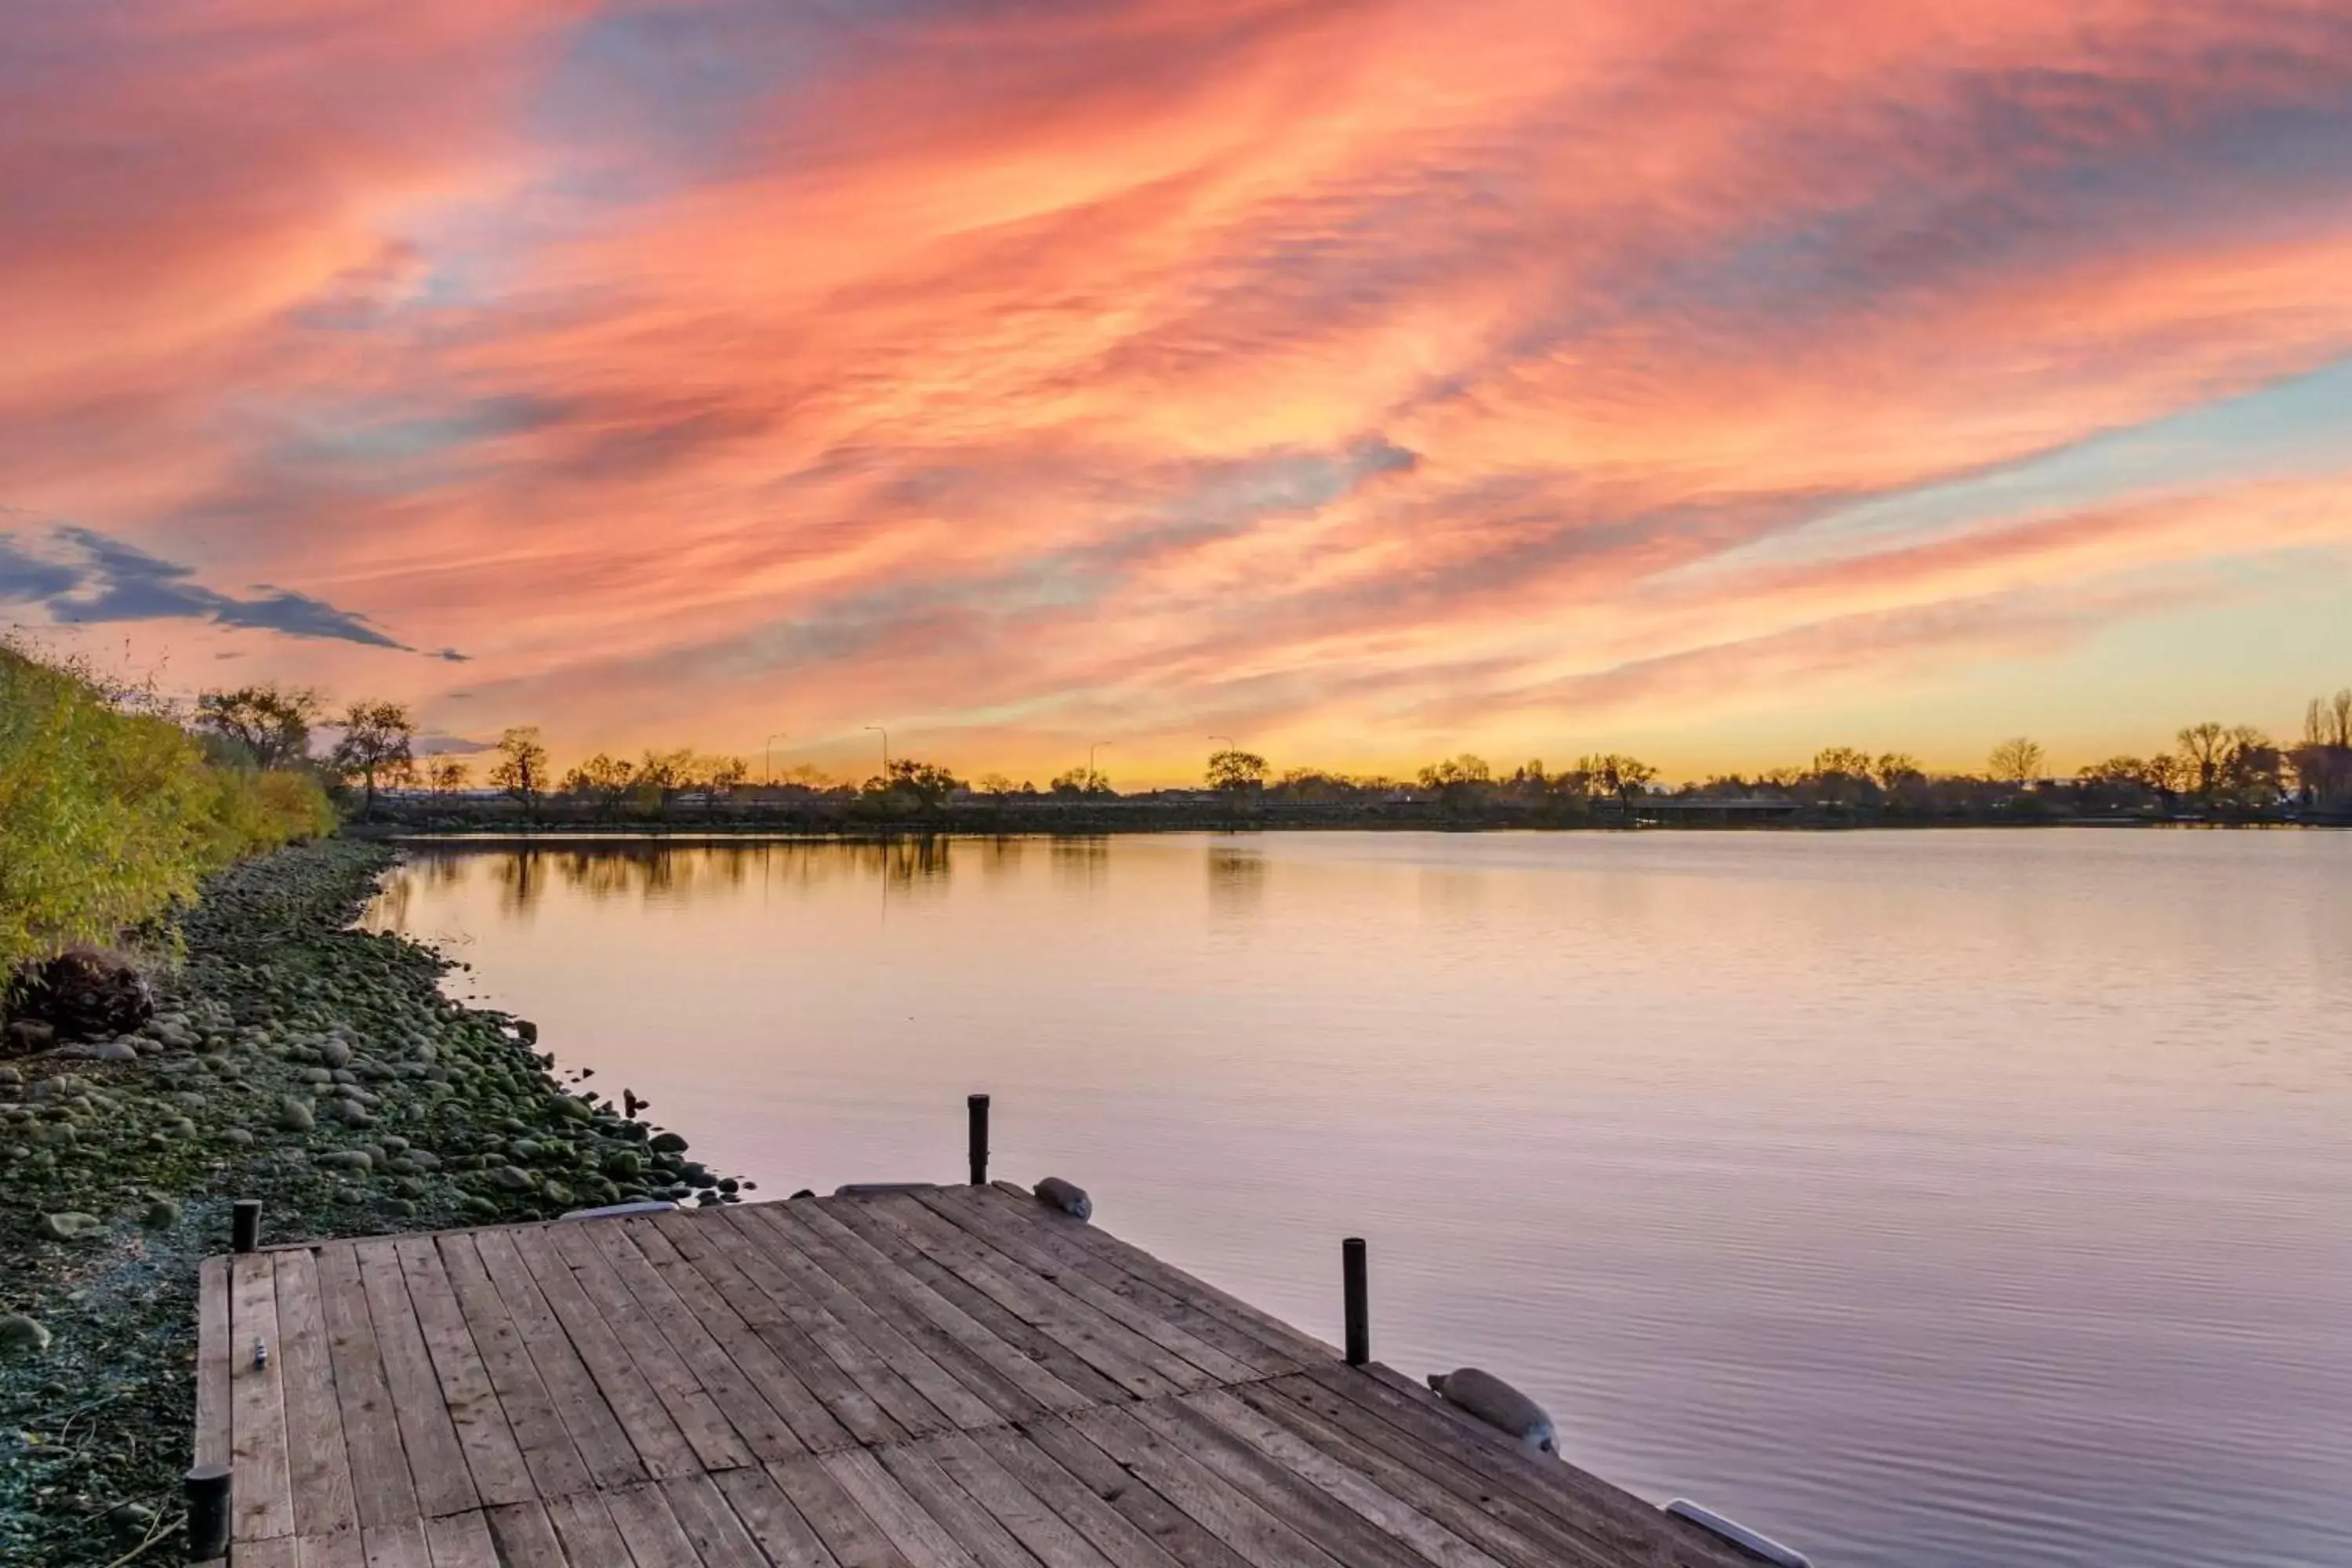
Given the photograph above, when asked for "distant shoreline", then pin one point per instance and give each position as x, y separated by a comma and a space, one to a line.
957, 825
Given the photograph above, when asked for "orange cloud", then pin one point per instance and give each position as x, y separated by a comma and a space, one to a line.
1348, 372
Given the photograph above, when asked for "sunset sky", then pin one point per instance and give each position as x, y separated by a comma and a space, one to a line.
1364, 381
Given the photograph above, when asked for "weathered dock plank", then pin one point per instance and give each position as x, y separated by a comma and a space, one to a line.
954, 1377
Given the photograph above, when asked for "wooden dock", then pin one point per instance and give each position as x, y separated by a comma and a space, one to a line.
944, 1376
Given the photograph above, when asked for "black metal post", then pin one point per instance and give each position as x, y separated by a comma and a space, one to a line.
208, 1512
978, 1105
1359, 1300
245, 1226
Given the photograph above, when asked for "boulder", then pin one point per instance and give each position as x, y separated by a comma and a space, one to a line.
66, 1225
667, 1143
296, 1115
26, 1035
161, 1215
114, 1051
512, 1179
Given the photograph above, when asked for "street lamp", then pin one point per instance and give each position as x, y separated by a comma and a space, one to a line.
1098, 746
886, 747
771, 743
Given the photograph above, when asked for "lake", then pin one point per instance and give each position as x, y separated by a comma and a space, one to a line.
1929, 1199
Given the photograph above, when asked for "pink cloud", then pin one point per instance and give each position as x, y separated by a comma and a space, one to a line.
1004, 369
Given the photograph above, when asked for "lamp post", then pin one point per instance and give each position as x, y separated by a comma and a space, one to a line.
886, 748
770, 744
1098, 746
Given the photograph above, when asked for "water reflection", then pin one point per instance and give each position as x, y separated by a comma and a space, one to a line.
1945, 1200
1236, 880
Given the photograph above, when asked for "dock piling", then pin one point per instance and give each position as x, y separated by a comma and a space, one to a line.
245, 1226
208, 1512
1359, 1300
978, 1106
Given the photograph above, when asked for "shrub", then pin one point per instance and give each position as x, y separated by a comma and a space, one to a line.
108, 813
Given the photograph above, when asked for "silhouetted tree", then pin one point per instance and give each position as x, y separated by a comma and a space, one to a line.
1899, 771
602, 781
2015, 762
1081, 782
270, 723
926, 784
1235, 771
2204, 748
2323, 762
1609, 774
448, 776
375, 746
521, 768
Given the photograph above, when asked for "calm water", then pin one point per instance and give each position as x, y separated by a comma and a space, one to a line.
1923, 1199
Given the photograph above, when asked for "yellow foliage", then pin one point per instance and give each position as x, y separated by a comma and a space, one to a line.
106, 817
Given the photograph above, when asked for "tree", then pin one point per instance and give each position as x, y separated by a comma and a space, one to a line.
2204, 748
1456, 772
449, 775
1842, 774
1843, 762
2323, 763
522, 770
1898, 770
721, 777
602, 781
927, 784
1235, 771
272, 724
2015, 762
662, 776
996, 787
2252, 768
1081, 781
1611, 773
377, 746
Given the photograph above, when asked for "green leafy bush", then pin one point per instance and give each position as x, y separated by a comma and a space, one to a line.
108, 813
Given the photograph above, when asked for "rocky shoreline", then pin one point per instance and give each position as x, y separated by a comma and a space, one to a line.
291, 1059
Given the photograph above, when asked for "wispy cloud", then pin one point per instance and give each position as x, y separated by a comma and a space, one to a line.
1341, 371
83, 577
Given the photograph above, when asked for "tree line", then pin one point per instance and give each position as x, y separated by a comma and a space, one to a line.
2210, 766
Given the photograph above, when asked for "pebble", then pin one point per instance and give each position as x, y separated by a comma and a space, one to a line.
66, 1225
667, 1144
296, 1116
114, 1051
22, 1335
161, 1215
237, 1137
130, 1520
512, 1179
